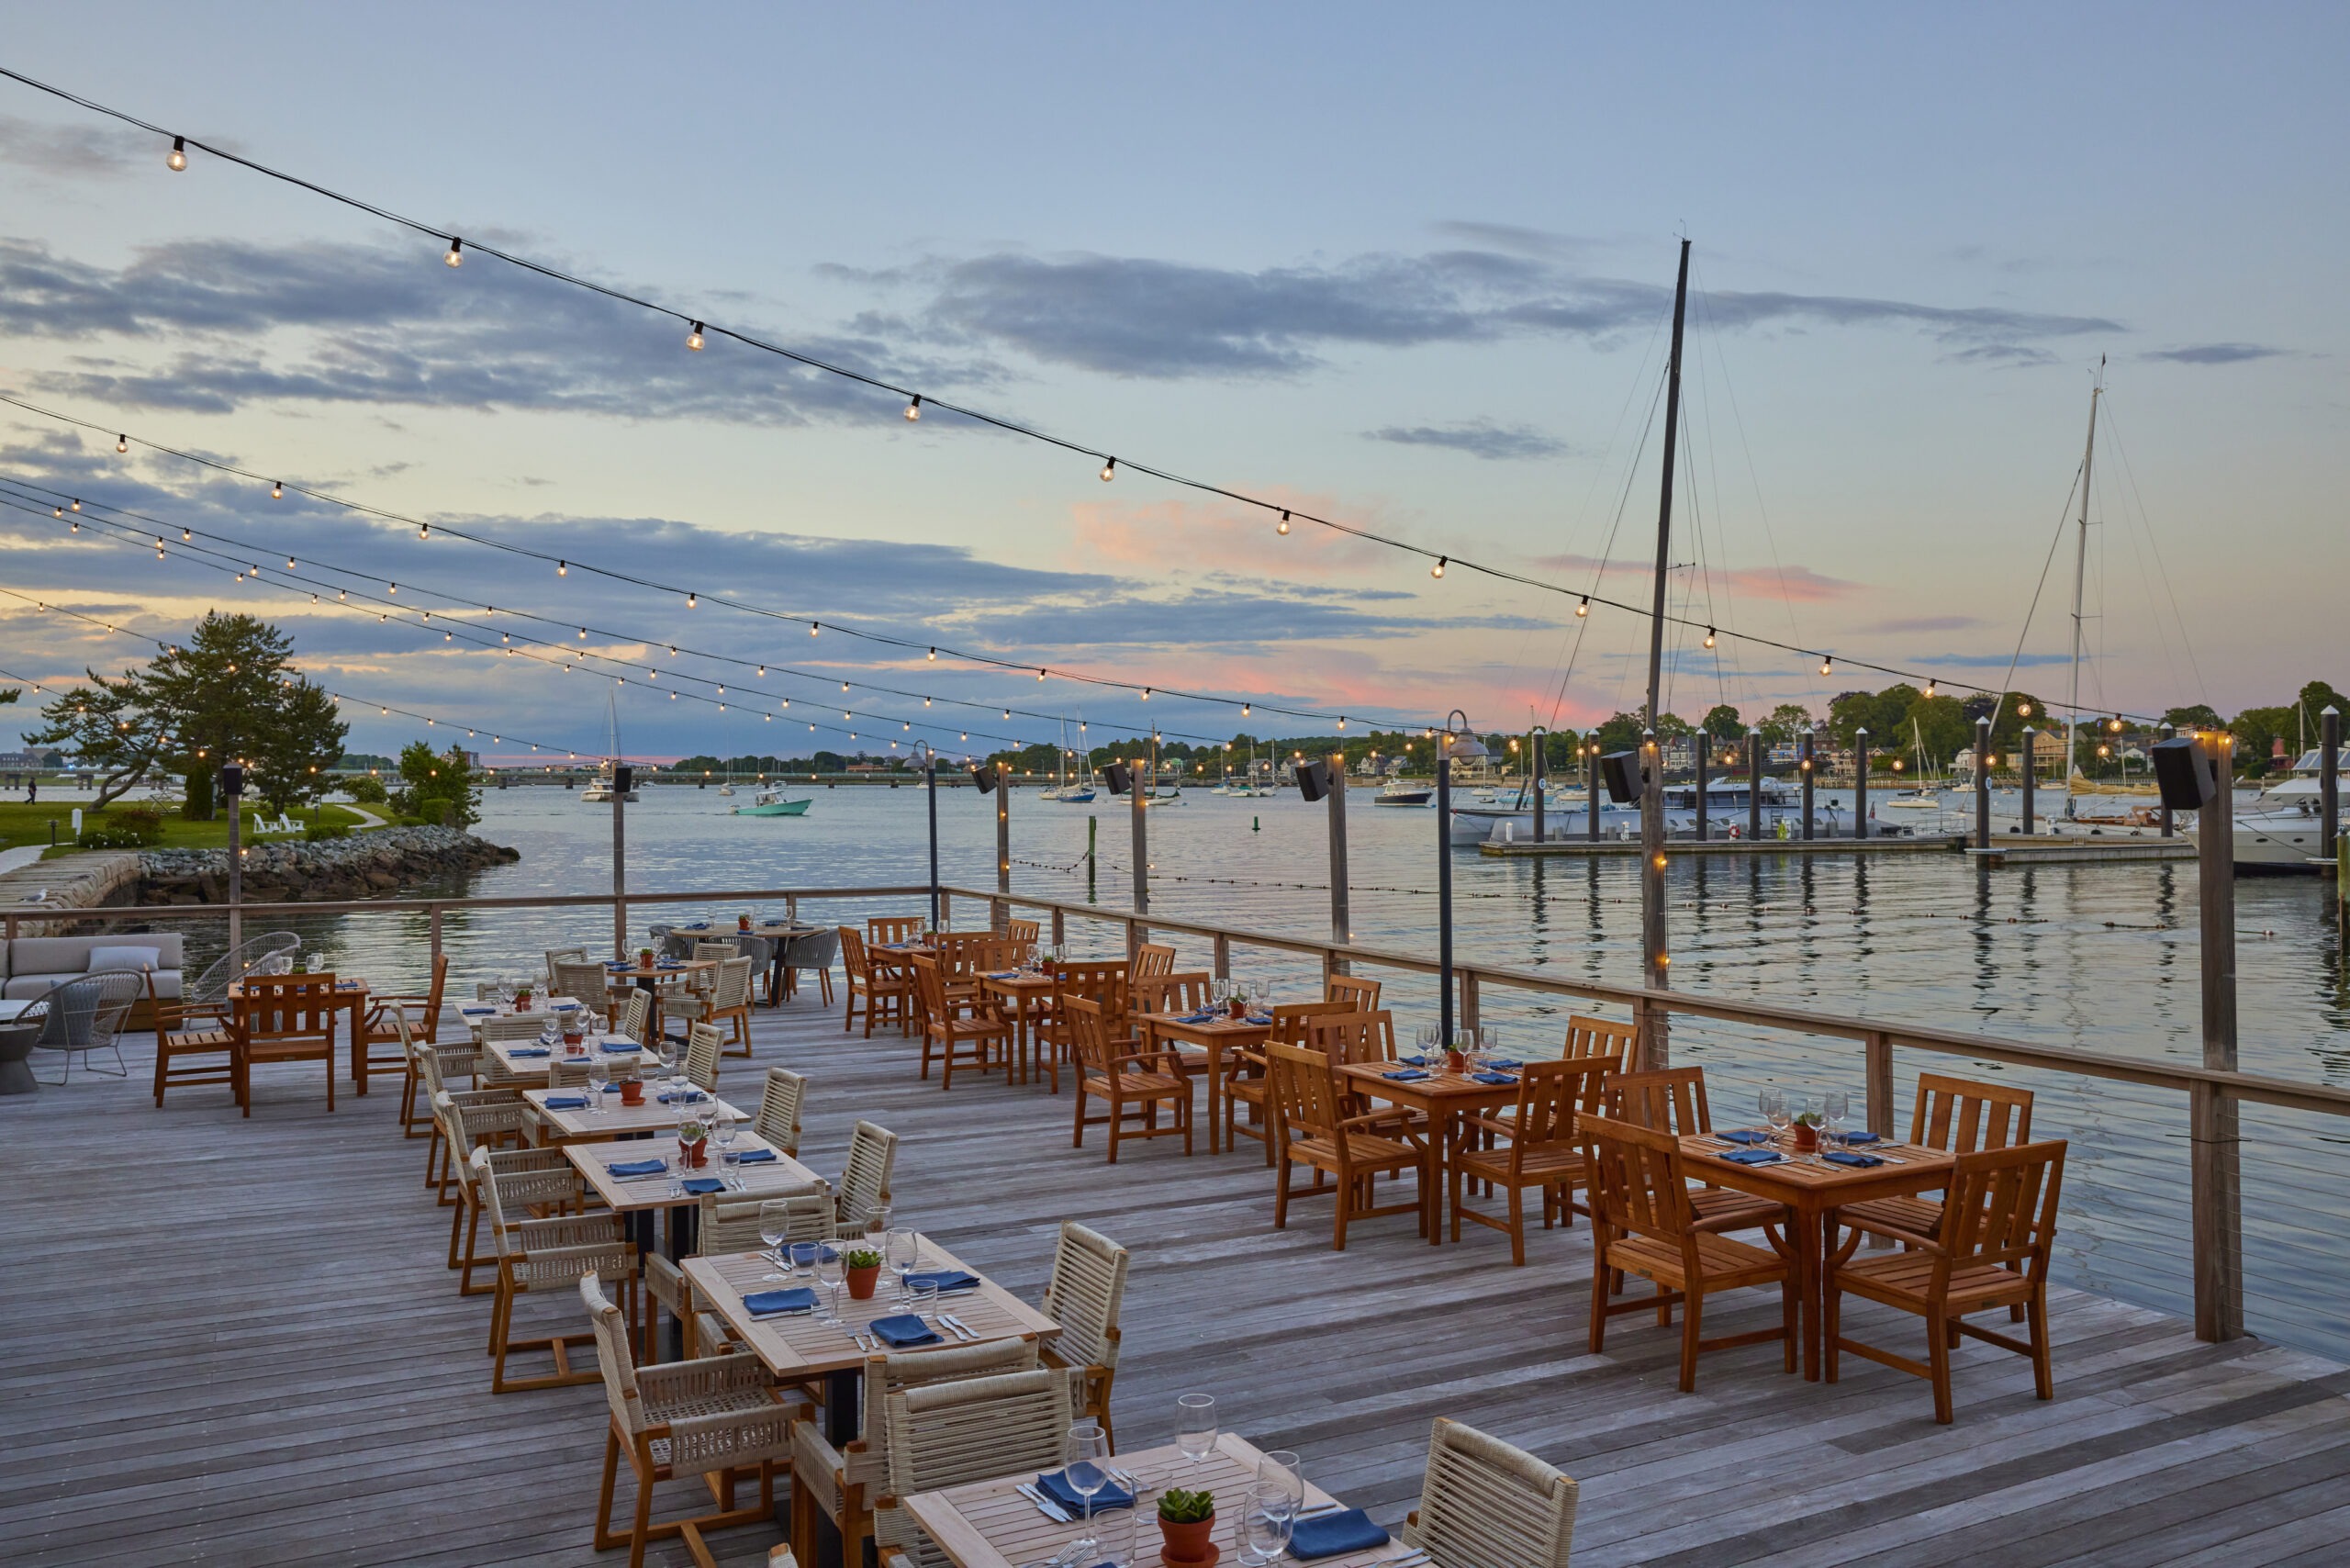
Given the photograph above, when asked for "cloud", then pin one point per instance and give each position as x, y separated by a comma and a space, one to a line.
1925, 624
2213, 353
1986, 661
76, 151
236, 323
1142, 316
1479, 438
1798, 584
1183, 538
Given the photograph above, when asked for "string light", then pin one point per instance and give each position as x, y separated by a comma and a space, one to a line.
1930, 689
692, 600
1109, 470
1284, 524
122, 443
176, 161
78, 506
693, 338
1583, 608
457, 257
424, 531
1709, 636
1437, 570
563, 568
277, 489
1827, 665
914, 408
933, 655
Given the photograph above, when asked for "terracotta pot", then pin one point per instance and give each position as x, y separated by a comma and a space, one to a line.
1454, 1061
861, 1281
522, 1003
696, 1154
1806, 1138
1237, 1006
1189, 1542
644, 959
632, 1092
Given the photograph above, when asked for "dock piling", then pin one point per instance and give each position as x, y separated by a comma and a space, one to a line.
1983, 783
1803, 765
1860, 783
2030, 770
1753, 781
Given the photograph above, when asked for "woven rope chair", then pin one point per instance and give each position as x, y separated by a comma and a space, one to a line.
513, 1025
840, 1484
703, 1043
817, 951
1084, 1295
970, 1429
544, 1172
454, 1060
496, 1112
210, 1043
636, 1015
563, 956
864, 1191
542, 1255
270, 953
1672, 1100
729, 999
588, 983
715, 1417
563, 1074
777, 1120
1486, 1504
730, 1223
80, 1016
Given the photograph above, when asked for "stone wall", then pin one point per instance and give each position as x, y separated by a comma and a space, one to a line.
329, 870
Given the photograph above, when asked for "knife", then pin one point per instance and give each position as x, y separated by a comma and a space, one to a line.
1046, 1506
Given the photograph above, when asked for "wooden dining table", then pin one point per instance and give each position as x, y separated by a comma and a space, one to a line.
1444, 1098
1209, 1037
660, 982
349, 996
1812, 1194
519, 1058
1029, 995
989, 1524
567, 1124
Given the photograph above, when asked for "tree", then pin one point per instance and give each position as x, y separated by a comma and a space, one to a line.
2258, 731
1941, 729
294, 755
2315, 699
108, 729
2195, 716
216, 698
1785, 721
1620, 732
437, 787
1722, 722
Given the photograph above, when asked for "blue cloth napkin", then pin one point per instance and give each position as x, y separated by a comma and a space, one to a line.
1744, 1135
1055, 1485
478, 1010
1497, 1063
1494, 1076
902, 1331
1415, 1061
690, 1097
1862, 1138
1196, 1017
769, 1304
1001, 974
696, 925
1328, 1535
1260, 1017
949, 1281
618, 1048
756, 1157
700, 1185
1408, 1075
1754, 1157
526, 1050
566, 1102
1858, 1162
640, 1168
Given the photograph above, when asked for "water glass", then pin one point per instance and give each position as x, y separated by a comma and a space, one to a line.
1772, 1104
830, 1276
722, 1132
1835, 1112
922, 1300
903, 1250
1279, 1468
803, 1257
1195, 1427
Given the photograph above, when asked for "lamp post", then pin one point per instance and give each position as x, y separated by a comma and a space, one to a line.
930, 788
1860, 783
1458, 740
623, 781
232, 789
1539, 738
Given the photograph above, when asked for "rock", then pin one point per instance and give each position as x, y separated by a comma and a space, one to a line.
328, 871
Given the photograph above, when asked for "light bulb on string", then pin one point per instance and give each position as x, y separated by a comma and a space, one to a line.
914, 408
122, 443
1437, 570
814, 627
1109, 470
78, 506
933, 655
693, 338
1709, 636
563, 568
1827, 665
457, 257
692, 599
177, 160
1584, 606
1283, 528
277, 489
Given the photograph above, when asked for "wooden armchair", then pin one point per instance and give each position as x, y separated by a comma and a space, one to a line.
283, 1018
1483, 1501
1990, 1250
375, 1031
1960, 1116
972, 1033
1601, 1039
1643, 1225
1540, 1146
1248, 1080
1318, 1132
883, 987
1153, 958
1025, 932
715, 1419
1135, 1083
1362, 995
1102, 982
893, 928
1674, 1101
198, 1032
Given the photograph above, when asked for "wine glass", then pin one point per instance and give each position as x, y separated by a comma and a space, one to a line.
1195, 1426
599, 1084
1088, 1448
1265, 1524
1835, 1112
1279, 1468
828, 1275
1431, 1042
903, 1250
775, 1225
722, 1132
1772, 1104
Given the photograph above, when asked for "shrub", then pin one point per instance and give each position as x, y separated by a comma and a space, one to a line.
366, 788
133, 827
318, 831
432, 810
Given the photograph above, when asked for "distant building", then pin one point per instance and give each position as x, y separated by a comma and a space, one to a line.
21, 762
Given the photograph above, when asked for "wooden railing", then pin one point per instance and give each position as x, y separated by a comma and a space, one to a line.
2210, 1096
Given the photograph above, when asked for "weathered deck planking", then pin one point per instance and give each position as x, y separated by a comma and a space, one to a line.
234, 1341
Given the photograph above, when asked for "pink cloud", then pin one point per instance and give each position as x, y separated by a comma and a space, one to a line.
1628, 580
1179, 535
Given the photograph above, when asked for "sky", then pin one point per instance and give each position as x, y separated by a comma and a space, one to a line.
1405, 268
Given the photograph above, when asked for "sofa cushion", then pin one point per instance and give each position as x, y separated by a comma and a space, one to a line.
137, 960
25, 988
71, 955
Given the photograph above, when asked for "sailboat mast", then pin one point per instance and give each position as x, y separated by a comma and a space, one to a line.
2080, 571
1654, 956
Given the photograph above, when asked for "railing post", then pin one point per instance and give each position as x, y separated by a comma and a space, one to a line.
1136, 937
1060, 928
1223, 954
1643, 1036
1342, 926
1468, 996
1878, 1050
433, 921
791, 908
945, 910
2218, 1214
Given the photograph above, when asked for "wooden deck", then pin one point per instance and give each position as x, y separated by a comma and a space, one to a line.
233, 1341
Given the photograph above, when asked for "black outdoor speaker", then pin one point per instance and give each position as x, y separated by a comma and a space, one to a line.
2182, 768
1620, 771
623, 781
1313, 779
983, 777
232, 780
1118, 776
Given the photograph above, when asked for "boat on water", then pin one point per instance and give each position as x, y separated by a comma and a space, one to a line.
600, 790
774, 801
1566, 818
2282, 829
1406, 793
727, 788
1066, 788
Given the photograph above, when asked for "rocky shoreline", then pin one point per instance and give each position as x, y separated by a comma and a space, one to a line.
363, 865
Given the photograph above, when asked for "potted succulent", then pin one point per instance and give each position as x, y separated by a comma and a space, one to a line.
631, 1088
644, 957
523, 999
693, 1141
741, 923
861, 1266
1455, 1059
1186, 1524
1805, 1128
1236, 1004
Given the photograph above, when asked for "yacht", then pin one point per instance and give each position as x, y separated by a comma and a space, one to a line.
1404, 792
2280, 829
601, 790
1569, 817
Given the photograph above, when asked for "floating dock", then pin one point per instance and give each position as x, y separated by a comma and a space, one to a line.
1584, 848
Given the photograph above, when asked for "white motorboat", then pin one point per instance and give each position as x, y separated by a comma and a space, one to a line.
1566, 818
600, 792
2282, 829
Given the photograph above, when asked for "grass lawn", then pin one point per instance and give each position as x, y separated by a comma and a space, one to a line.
21, 823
